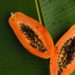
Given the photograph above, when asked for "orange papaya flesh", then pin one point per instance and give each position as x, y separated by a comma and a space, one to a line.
32, 35
63, 58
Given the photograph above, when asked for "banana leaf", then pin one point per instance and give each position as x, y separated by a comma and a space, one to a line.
57, 16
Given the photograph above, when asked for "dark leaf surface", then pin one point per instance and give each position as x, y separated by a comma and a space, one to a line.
14, 59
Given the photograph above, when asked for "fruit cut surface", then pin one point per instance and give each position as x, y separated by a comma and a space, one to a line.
63, 58
32, 35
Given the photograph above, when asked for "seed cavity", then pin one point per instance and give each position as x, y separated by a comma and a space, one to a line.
34, 39
66, 54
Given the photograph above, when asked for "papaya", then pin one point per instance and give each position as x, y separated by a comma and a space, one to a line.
32, 35
63, 57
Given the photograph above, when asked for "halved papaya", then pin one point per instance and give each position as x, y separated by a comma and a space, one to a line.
32, 35
63, 58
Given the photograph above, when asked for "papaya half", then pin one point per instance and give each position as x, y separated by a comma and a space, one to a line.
63, 58
32, 35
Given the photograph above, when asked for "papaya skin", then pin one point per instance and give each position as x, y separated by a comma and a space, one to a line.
17, 18
54, 63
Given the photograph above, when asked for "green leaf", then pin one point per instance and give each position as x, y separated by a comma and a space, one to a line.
58, 16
